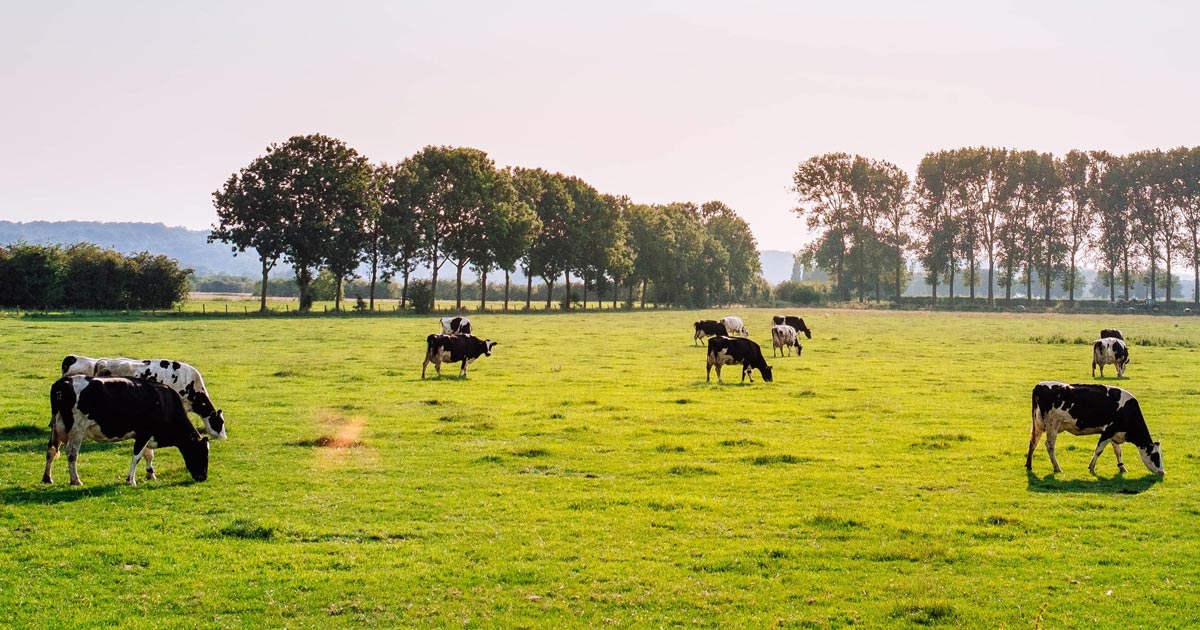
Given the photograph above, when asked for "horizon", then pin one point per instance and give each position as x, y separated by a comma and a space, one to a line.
138, 112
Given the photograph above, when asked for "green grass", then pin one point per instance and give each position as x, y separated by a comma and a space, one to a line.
587, 475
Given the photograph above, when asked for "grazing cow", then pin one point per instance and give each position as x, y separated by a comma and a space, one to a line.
1113, 333
115, 409
73, 364
453, 349
794, 322
731, 350
180, 377
1109, 350
456, 326
734, 325
708, 328
1088, 409
784, 336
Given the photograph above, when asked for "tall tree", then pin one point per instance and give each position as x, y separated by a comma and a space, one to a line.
252, 209
1079, 174
825, 189
934, 218
551, 252
1186, 191
401, 238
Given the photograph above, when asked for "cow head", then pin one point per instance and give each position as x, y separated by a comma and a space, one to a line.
1152, 457
214, 419
195, 456
766, 373
488, 344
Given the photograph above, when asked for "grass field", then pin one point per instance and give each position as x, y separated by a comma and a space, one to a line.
587, 475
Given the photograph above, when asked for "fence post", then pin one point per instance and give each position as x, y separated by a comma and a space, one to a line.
203, 311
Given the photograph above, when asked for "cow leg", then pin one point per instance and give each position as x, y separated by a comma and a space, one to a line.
718, 366
423, 366
148, 455
1120, 460
1094, 369
1034, 435
1051, 440
139, 445
1104, 440
72, 458
462, 372
746, 369
708, 373
51, 453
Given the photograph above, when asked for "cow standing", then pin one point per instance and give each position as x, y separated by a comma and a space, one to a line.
734, 325
731, 350
1109, 350
115, 409
1089, 409
709, 328
794, 322
456, 326
177, 375
441, 349
784, 336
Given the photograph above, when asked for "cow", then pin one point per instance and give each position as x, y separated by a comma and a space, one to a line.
784, 336
734, 325
731, 350
1088, 409
75, 364
794, 322
709, 328
1109, 350
456, 326
116, 409
177, 375
441, 349
1111, 332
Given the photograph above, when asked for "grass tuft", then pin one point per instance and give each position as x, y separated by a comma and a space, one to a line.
532, 452
330, 441
670, 448
767, 460
247, 529
690, 471
924, 614
742, 442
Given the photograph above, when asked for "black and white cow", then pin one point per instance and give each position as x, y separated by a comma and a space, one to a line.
794, 322
177, 375
115, 409
1089, 409
709, 328
1109, 350
73, 364
454, 349
1111, 332
456, 326
731, 350
784, 336
734, 325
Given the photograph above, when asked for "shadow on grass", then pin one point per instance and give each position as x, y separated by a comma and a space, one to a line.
23, 438
59, 492
1113, 485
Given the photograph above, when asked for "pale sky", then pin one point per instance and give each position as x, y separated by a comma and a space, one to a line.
138, 111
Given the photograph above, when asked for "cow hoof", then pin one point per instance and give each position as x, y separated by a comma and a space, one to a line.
76, 483
132, 481
151, 476
46, 480
1121, 469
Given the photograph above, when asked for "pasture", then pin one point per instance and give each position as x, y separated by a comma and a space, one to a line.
587, 475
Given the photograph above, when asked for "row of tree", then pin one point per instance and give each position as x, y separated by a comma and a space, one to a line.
86, 276
1019, 215
318, 205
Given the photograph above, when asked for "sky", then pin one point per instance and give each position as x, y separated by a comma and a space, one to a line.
138, 111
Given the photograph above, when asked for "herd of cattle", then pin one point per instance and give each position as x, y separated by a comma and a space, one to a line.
148, 401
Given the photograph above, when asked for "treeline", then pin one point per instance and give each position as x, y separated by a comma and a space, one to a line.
1023, 216
87, 276
317, 205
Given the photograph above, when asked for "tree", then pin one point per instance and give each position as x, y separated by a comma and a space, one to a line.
551, 252
252, 211
824, 187
893, 210
1080, 174
1186, 195
934, 219
401, 238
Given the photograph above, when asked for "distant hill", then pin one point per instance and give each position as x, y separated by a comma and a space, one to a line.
192, 249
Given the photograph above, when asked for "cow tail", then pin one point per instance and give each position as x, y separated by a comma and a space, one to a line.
1036, 412
62, 401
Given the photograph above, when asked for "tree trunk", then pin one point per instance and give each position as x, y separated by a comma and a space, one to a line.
458, 285
643, 294
528, 289
991, 278
374, 272
337, 294
433, 283
266, 268
972, 278
933, 299
1071, 283
584, 279
404, 290
899, 270
302, 279
567, 289
507, 283
549, 291
483, 290
1169, 278
1029, 283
